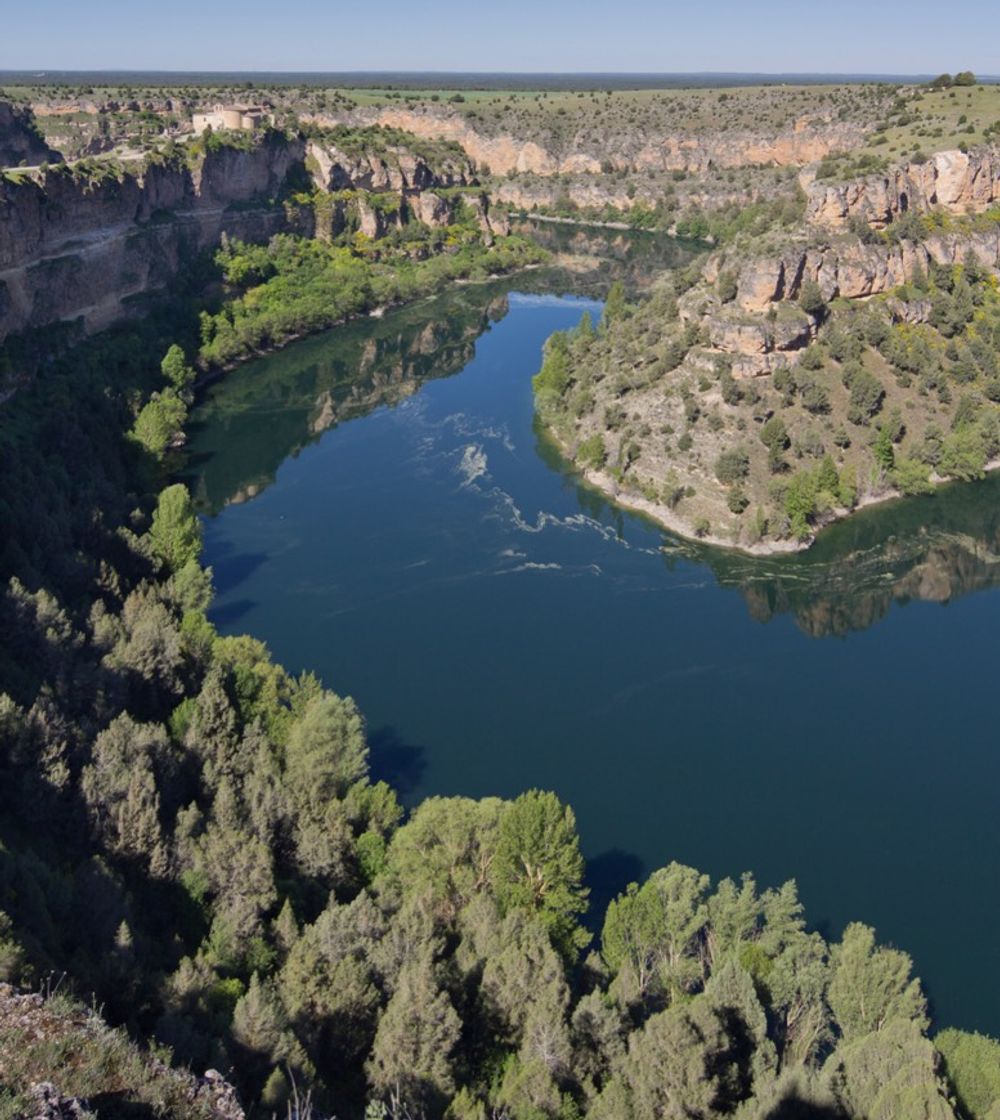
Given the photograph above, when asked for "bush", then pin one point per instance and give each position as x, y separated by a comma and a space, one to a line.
811, 298
732, 465
592, 453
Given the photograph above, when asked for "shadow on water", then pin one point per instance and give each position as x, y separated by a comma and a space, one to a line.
228, 572
395, 761
231, 613
607, 876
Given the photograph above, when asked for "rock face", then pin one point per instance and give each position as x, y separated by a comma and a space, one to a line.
20, 141
957, 182
852, 270
759, 345
71, 247
504, 153
79, 247
396, 169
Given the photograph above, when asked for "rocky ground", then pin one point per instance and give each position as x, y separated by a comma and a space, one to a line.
60, 1061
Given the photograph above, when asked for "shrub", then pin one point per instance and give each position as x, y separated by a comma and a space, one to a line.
732, 465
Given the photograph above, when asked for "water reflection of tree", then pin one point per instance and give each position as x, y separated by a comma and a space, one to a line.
271, 409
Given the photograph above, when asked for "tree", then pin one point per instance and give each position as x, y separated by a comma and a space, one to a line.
888, 1074
652, 934
732, 465
538, 866
774, 435
175, 534
677, 1066
796, 984
446, 851
175, 369
972, 1063
811, 298
161, 418
614, 304
411, 1057
326, 753
871, 985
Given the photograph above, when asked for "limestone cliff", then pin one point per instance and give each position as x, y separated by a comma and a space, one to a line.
849, 269
504, 153
957, 182
20, 140
396, 168
74, 245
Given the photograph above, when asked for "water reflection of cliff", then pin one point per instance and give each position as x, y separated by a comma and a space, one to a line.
932, 549
596, 256
270, 409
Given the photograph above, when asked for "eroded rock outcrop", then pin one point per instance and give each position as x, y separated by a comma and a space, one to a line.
20, 140
853, 270
955, 181
395, 169
504, 153
75, 245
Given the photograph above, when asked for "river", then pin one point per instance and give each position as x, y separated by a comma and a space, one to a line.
379, 508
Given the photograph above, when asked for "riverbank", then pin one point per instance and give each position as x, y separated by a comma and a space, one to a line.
673, 522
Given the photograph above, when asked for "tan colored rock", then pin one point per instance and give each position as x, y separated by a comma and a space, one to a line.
954, 181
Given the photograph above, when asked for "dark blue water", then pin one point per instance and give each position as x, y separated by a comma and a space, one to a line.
824, 718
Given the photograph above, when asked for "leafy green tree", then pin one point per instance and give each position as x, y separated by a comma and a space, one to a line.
732, 465
446, 851
890, 1073
972, 1064
179, 375
677, 1065
796, 984
175, 534
614, 304
811, 298
159, 422
410, 1061
538, 866
912, 476
871, 985
652, 935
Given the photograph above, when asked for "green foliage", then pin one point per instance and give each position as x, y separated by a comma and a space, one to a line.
871, 986
538, 866
159, 423
175, 534
174, 367
912, 476
732, 465
972, 1064
553, 379
811, 298
295, 286
592, 452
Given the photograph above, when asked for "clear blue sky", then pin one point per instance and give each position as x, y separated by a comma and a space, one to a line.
860, 36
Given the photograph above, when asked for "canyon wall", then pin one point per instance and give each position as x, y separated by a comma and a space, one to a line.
20, 140
86, 243
958, 182
504, 153
73, 246
852, 270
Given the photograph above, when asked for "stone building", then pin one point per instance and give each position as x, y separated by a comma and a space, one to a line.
236, 117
